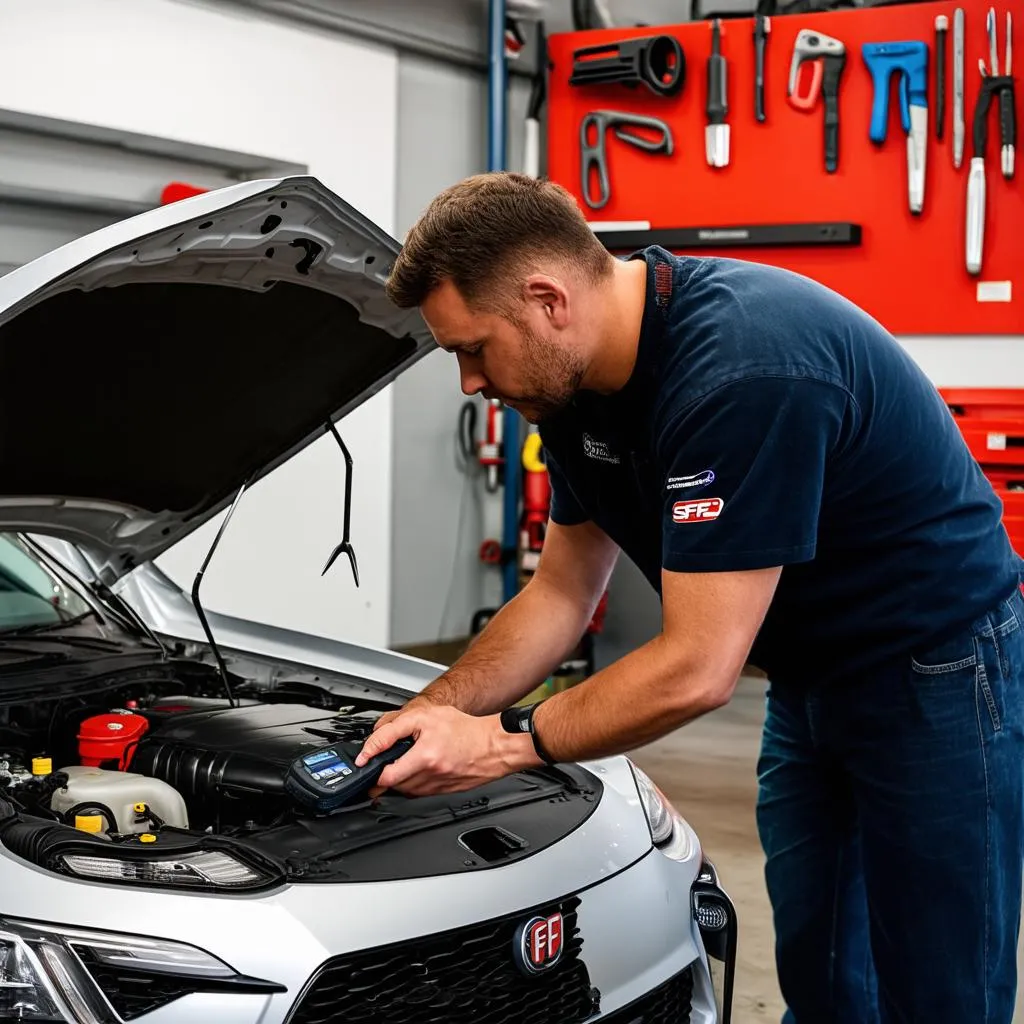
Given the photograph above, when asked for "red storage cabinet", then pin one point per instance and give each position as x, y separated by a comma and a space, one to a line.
992, 423
995, 442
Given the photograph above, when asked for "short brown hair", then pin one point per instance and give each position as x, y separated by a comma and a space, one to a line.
484, 230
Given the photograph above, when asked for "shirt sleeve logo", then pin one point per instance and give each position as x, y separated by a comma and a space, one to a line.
697, 511
600, 450
677, 483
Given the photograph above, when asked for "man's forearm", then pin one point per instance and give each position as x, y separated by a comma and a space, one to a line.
517, 650
640, 698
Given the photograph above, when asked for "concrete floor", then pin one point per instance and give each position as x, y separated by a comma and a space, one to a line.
707, 769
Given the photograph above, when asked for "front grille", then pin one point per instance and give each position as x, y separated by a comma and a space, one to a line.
669, 1003
466, 976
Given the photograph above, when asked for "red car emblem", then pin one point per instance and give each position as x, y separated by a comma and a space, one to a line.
538, 943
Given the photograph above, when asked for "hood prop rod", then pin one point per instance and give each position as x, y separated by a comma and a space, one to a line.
345, 545
198, 604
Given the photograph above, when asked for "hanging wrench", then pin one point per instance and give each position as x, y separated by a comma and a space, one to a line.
815, 46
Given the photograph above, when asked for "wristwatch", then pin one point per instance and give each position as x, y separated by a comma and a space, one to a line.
520, 719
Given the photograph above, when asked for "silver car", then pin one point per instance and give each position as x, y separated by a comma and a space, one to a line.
172, 843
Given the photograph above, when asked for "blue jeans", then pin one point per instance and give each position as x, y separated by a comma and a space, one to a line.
891, 812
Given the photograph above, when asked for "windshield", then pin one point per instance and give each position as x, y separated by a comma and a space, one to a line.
32, 597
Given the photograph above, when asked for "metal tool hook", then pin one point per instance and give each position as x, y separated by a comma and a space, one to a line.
593, 155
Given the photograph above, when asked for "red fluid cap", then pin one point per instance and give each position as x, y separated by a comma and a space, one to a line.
110, 737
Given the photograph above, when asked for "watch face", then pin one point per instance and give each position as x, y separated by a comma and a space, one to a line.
516, 719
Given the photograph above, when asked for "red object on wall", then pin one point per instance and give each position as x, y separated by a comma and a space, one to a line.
909, 271
992, 423
536, 501
110, 737
984, 403
176, 190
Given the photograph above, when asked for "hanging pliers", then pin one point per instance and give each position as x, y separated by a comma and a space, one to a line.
1001, 85
992, 85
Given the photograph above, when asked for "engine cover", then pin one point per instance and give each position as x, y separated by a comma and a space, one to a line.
230, 764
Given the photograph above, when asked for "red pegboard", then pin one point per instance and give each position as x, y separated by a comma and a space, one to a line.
909, 272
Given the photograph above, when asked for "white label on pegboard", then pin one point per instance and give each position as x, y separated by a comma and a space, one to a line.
597, 226
996, 443
995, 291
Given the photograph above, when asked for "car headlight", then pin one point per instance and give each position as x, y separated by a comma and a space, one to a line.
165, 860
57, 975
668, 830
209, 870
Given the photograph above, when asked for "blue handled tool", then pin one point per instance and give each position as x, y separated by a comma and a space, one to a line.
909, 60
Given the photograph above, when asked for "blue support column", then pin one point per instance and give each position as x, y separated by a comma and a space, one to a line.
496, 136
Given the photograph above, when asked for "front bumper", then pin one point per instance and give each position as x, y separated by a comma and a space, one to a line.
634, 954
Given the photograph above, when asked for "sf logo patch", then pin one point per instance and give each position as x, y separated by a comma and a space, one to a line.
697, 511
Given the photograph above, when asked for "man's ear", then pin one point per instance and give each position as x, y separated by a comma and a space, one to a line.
551, 295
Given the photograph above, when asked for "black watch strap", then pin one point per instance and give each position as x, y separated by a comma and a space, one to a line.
520, 719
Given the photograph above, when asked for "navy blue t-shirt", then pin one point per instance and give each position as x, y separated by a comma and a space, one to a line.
768, 421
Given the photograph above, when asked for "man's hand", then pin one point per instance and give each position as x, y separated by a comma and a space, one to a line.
453, 751
420, 700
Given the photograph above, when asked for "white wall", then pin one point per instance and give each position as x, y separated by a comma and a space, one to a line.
968, 361
438, 580
226, 79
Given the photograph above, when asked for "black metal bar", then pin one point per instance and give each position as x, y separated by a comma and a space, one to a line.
746, 236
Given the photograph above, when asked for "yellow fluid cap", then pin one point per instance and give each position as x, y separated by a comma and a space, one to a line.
89, 822
147, 837
42, 765
139, 808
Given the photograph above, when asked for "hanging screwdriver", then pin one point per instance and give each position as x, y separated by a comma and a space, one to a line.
716, 132
941, 28
959, 124
762, 29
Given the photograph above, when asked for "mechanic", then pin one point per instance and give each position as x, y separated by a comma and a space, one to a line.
797, 492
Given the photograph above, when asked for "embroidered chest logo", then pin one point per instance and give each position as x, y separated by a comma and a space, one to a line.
599, 450
677, 483
697, 511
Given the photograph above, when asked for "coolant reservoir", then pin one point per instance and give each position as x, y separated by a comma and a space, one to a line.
97, 790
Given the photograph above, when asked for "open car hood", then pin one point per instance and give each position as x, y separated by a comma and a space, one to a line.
151, 368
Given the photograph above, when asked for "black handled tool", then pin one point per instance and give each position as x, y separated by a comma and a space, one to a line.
731, 236
992, 85
1007, 111
716, 132
811, 45
594, 158
762, 28
656, 61
941, 29
830, 90
327, 778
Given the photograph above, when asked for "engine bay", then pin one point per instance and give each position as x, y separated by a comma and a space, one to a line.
166, 762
